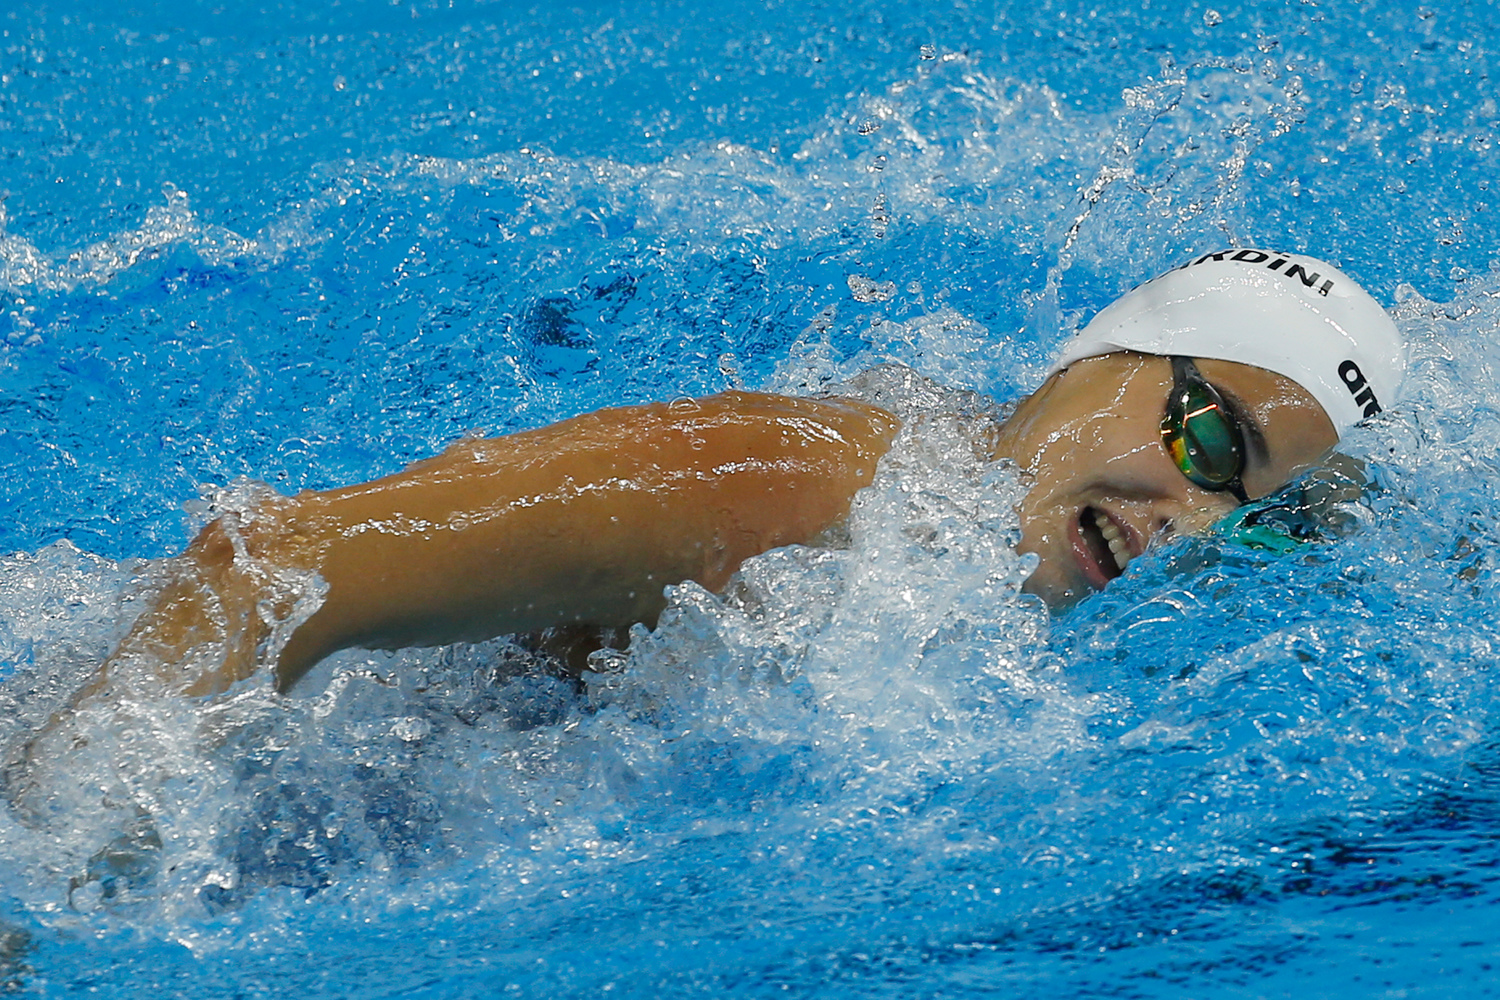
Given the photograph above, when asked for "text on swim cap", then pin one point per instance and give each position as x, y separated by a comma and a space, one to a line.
1261, 257
1363, 395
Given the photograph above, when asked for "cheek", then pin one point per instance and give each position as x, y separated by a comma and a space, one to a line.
1311, 445
1074, 446
1106, 453
1299, 440
1044, 528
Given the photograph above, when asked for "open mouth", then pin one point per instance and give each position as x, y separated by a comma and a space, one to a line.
1105, 546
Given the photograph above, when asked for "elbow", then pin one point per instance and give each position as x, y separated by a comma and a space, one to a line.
267, 534
259, 564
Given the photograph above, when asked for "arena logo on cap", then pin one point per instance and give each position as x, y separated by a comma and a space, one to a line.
1297, 271
1359, 388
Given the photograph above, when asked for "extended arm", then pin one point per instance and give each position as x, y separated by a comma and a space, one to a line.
582, 521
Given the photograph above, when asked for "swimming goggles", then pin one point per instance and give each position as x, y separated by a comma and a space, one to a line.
1202, 433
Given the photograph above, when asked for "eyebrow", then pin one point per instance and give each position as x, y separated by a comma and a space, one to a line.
1256, 435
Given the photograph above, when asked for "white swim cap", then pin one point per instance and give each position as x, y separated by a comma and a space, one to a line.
1284, 312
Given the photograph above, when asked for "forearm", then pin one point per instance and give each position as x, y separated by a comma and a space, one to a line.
584, 521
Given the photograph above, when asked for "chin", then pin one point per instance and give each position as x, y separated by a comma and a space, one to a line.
1057, 595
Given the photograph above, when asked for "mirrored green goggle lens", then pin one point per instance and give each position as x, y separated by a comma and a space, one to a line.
1201, 438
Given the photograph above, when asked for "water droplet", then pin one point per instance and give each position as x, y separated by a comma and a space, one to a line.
1212, 18
729, 370
411, 729
1391, 95
865, 290
869, 126
929, 52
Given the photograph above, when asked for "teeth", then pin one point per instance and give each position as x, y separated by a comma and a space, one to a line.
1112, 537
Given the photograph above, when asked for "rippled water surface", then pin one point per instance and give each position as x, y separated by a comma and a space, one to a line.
305, 244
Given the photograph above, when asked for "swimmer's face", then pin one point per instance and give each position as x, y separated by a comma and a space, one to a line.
1102, 487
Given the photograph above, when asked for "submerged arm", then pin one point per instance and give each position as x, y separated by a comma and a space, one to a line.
583, 521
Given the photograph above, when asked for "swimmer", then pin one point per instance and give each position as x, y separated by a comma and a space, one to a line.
1197, 392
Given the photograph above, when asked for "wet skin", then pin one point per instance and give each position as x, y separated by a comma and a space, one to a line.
583, 522
1089, 443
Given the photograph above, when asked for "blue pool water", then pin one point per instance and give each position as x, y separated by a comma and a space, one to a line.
304, 244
